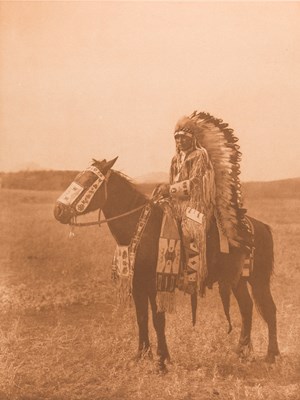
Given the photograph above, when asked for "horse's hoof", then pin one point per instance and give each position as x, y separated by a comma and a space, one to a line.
141, 355
169, 361
271, 355
270, 358
162, 369
244, 351
147, 354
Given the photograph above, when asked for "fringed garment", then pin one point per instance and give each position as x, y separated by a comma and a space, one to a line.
207, 179
193, 192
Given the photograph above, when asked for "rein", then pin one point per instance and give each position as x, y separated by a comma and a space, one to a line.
106, 220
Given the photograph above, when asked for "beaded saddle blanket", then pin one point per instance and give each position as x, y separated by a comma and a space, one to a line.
176, 265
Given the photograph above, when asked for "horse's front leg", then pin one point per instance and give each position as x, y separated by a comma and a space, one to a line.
159, 325
141, 307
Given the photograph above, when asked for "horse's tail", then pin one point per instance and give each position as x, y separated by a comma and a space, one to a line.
264, 252
269, 256
263, 267
194, 300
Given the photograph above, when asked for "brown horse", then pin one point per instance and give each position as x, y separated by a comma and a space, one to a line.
100, 187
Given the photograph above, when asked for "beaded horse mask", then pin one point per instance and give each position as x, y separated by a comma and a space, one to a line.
77, 197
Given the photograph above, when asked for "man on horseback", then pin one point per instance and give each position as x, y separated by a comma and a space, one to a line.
204, 189
192, 189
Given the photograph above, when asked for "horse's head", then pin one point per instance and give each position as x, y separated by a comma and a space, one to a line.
88, 192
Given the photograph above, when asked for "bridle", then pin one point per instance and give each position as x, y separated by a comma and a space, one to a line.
71, 200
72, 193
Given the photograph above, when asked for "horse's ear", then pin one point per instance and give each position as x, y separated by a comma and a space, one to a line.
109, 165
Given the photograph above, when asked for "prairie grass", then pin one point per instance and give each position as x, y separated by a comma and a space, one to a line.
62, 336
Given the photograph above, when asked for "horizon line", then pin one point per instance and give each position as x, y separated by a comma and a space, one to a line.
137, 178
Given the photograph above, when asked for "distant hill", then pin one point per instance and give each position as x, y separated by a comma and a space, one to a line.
37, 180
154, 177
285, 188
59, 180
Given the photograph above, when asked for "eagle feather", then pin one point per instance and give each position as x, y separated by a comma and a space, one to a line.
220, 143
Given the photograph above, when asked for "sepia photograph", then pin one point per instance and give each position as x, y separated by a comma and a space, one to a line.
150, 200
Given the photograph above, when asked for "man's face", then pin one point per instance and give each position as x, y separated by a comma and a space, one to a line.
183, 142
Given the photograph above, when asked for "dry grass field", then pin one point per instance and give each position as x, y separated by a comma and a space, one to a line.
62, 336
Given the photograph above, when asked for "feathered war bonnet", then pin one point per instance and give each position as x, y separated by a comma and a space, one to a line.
220, 143
186, 126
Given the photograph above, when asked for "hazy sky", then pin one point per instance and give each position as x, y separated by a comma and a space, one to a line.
101, 79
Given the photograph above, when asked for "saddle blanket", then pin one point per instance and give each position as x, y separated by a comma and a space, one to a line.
168, 263
171, 271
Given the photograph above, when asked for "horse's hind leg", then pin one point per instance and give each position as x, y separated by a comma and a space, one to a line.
159, 325
245, 303
266, 307
141, 306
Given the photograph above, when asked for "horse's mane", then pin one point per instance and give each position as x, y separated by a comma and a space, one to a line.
125, 178
129, 181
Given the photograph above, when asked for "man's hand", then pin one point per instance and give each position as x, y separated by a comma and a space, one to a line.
163, 190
